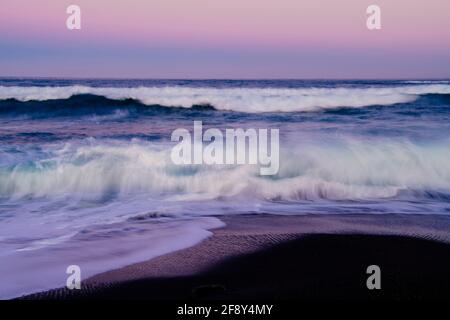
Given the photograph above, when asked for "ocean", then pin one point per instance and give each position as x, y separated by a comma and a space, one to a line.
86, 176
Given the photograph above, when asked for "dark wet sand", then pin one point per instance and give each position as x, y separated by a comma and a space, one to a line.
291, 257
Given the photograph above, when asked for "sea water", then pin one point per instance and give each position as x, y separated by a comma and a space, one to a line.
86, 176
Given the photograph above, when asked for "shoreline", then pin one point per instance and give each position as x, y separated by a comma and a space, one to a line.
245, 237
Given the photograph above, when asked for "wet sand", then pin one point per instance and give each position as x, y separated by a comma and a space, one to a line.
291, 257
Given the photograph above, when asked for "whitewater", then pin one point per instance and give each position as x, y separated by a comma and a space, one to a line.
237, 99
86, 174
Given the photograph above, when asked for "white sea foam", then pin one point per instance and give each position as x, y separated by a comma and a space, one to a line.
33, 269
253, 100
345, 170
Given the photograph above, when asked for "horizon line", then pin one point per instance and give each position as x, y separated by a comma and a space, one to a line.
225, 78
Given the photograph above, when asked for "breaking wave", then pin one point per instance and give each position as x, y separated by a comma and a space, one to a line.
251, 100
346, 170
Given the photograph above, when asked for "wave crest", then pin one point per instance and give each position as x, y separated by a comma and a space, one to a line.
346, 170
251, 100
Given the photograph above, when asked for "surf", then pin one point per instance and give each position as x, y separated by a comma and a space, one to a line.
346, 169
247, 100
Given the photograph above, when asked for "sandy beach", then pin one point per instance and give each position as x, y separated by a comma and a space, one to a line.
291, 257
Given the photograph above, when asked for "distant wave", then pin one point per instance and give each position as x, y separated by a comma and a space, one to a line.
99, 107
428, 81
250, 100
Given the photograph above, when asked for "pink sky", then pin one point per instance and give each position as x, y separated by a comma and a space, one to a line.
231, 39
